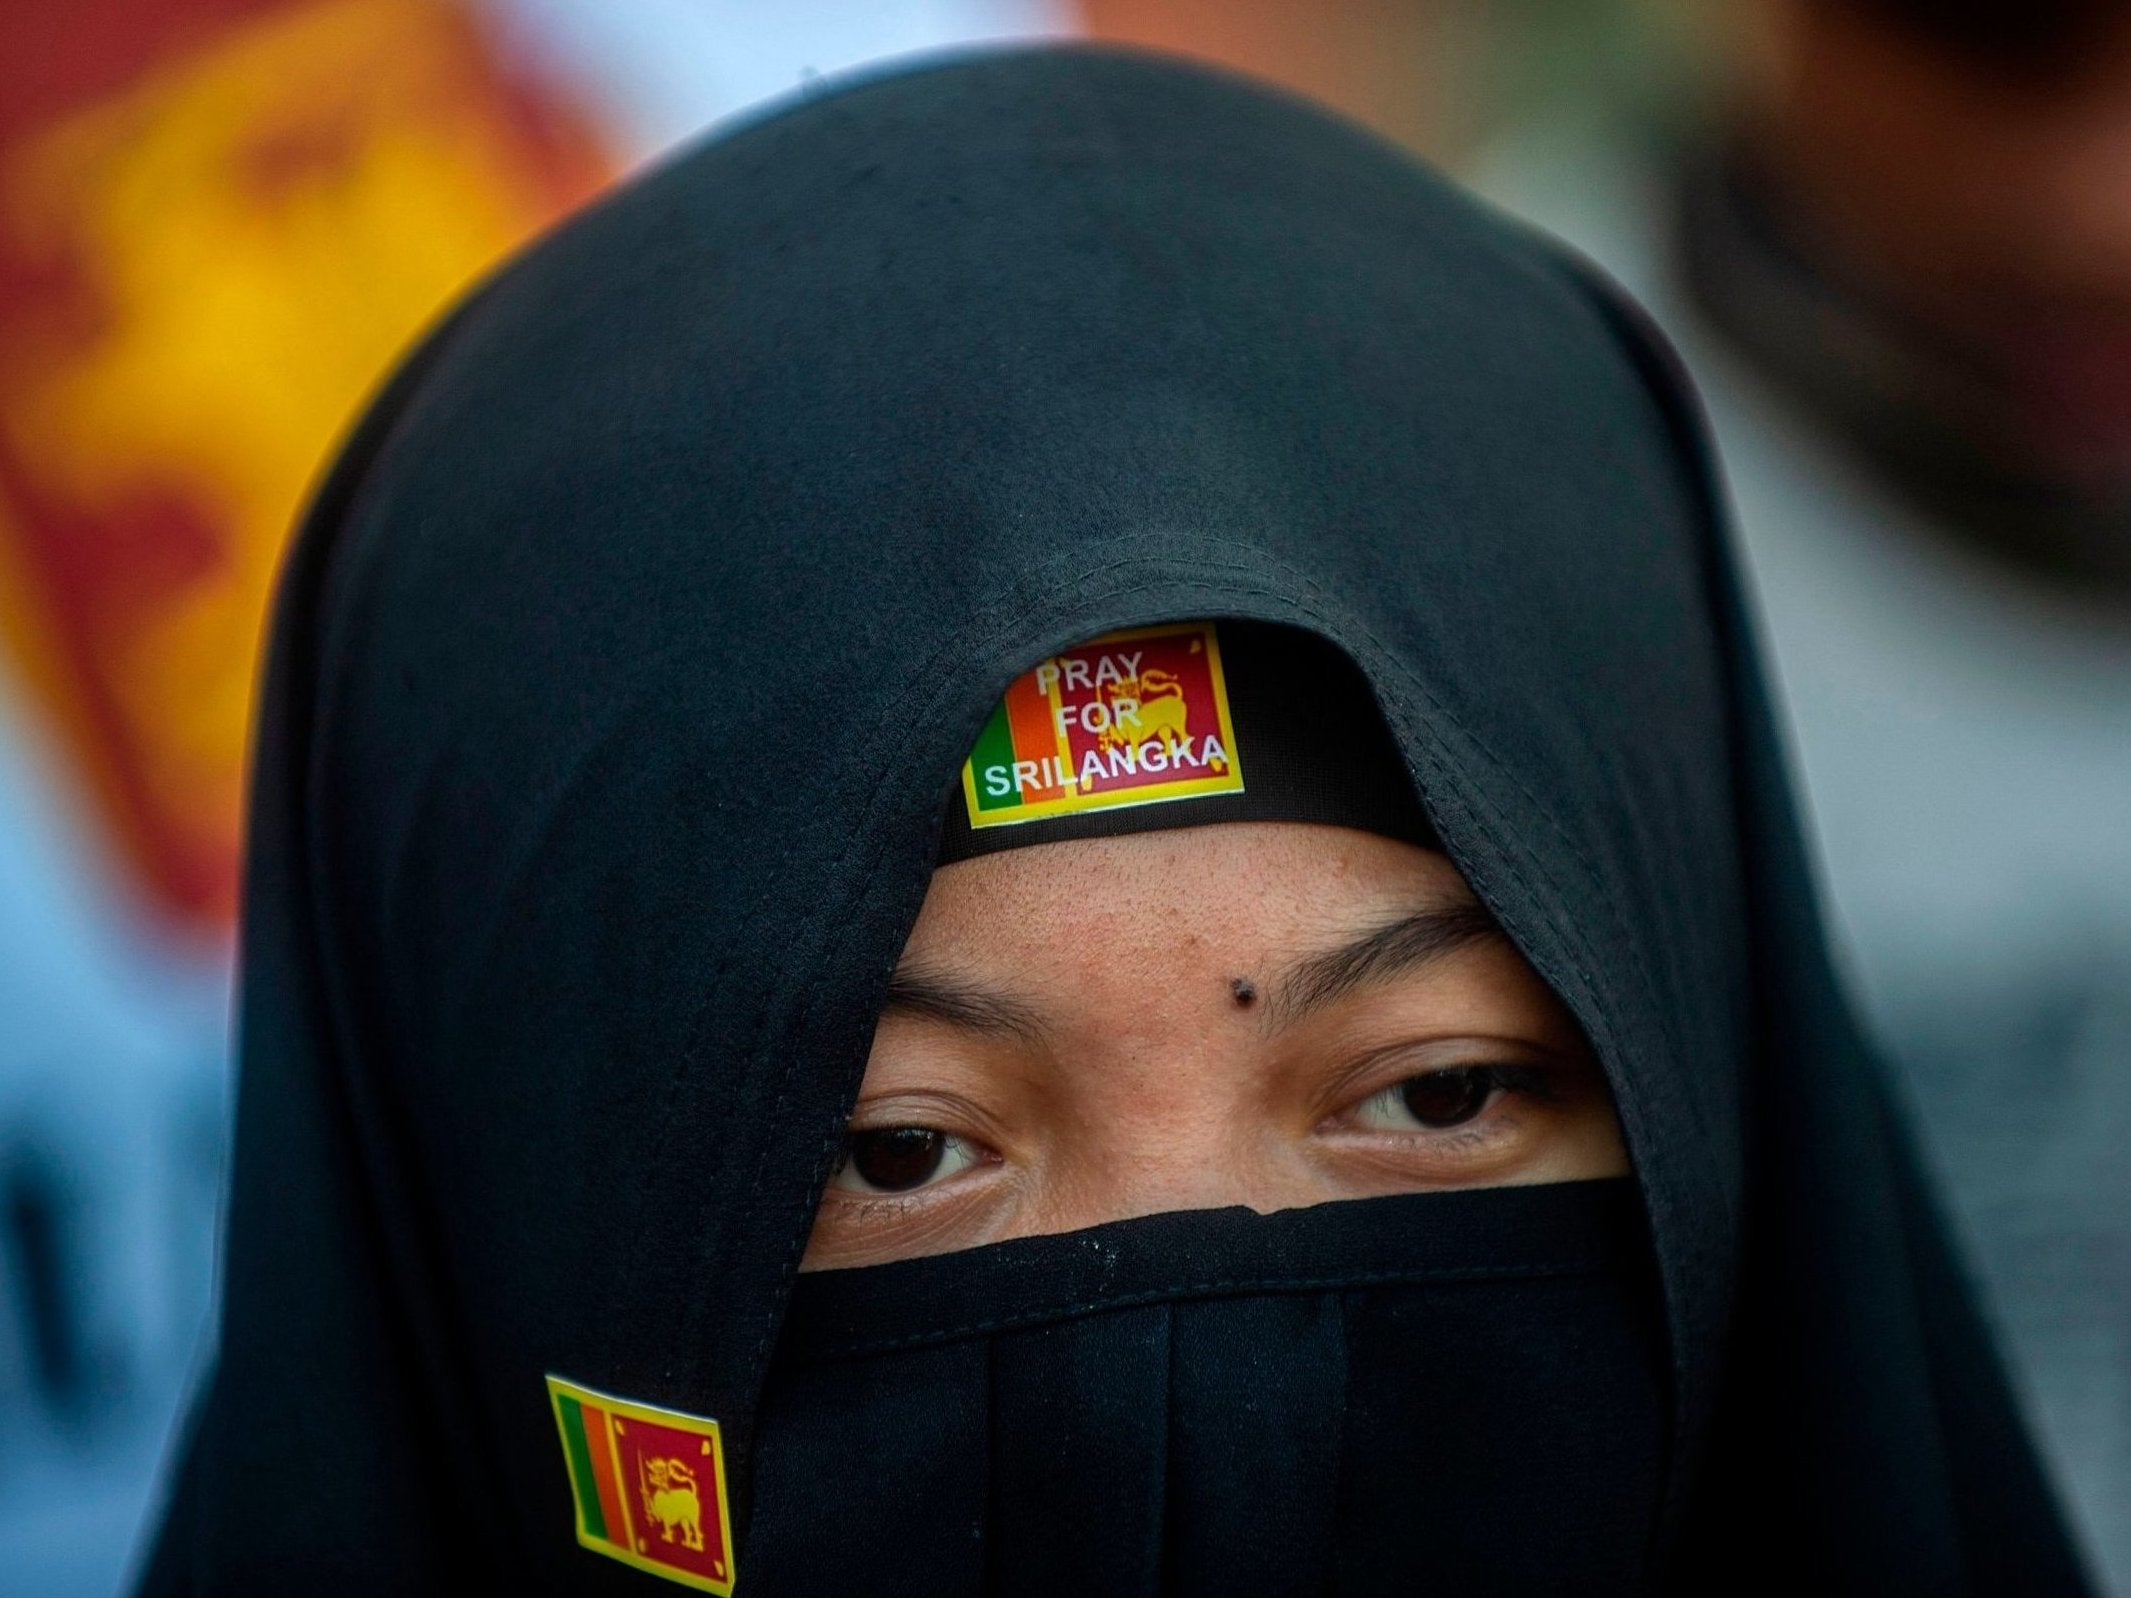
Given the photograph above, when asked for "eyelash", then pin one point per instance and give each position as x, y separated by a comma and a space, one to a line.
1499, 1081
962, 1153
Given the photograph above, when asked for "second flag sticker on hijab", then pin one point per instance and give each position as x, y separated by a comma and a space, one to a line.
649, 1485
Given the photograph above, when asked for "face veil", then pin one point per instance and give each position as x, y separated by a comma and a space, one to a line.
628, 653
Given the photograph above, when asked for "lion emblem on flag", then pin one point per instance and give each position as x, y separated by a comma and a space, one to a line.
1146, 708
671, 1501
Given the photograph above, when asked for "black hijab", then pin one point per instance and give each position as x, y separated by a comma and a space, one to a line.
629, 653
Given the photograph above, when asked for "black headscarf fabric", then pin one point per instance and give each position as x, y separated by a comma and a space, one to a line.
623, 669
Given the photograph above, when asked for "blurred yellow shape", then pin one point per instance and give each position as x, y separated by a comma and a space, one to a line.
225, 258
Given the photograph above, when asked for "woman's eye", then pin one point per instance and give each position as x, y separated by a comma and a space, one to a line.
1437, 1100
898, 1159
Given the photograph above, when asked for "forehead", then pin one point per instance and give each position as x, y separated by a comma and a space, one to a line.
1236, 890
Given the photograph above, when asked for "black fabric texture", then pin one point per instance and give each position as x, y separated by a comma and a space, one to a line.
1313, 746
621, 666
1339, 1398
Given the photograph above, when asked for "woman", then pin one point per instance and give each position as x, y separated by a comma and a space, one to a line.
633, 806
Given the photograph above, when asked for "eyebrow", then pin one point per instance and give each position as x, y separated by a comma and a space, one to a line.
916, 991
1404, 945
1401, 946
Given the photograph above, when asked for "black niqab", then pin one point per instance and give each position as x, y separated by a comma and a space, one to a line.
627, 656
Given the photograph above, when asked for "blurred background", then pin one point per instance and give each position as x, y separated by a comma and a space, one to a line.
1891, 237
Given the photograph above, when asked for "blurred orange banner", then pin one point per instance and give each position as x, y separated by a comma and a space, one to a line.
220, 220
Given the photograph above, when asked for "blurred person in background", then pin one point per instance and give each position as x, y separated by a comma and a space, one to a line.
1896, 251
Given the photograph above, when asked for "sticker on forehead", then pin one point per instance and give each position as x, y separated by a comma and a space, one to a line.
1132, 718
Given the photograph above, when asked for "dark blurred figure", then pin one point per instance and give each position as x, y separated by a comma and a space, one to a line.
1921, 227
1895, 248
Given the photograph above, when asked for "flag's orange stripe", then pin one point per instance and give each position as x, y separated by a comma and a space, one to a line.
1028, 713
600, 1442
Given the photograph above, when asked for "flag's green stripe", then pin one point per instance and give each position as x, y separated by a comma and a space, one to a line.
581, 1477
995, 747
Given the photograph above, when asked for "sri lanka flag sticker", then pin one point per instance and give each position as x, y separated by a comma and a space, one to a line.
649, 1484
1131, 718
